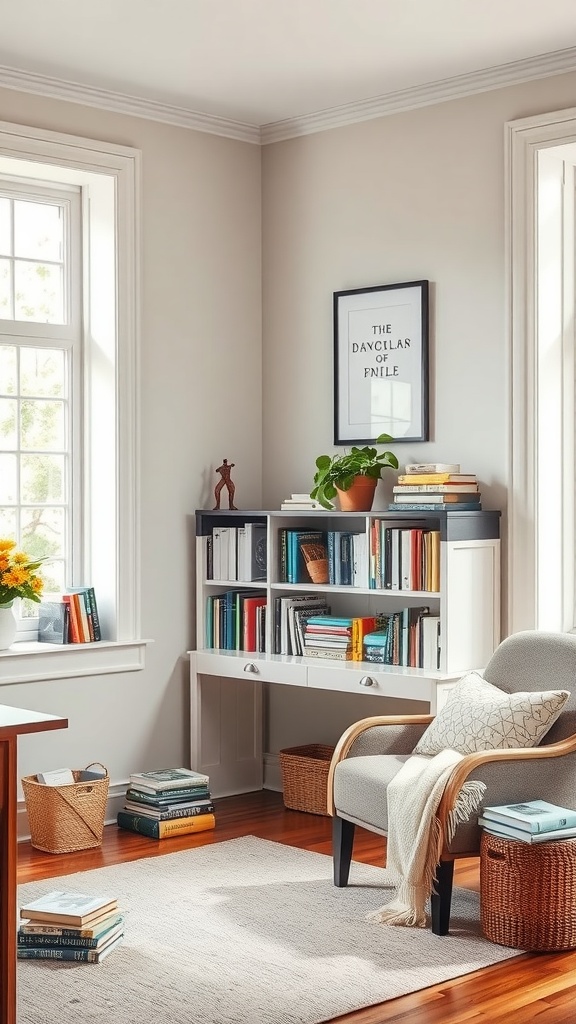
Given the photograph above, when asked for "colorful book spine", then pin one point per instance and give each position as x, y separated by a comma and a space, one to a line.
186, 811
165, 829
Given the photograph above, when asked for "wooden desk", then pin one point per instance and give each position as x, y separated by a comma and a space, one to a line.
14, 722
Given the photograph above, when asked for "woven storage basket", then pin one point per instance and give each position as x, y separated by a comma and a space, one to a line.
305, 777
528, 893
67, 818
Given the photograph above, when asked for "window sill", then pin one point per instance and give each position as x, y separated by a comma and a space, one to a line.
33, 662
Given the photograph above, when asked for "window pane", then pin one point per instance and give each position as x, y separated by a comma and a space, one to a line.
42, 372
7, 522
8, 410
42, 425
4, 227
7, 370
42, 479
8, 479
6, 312
54, 578
43, 531
37, 230
39, 293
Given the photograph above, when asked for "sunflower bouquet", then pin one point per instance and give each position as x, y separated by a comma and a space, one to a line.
18, 575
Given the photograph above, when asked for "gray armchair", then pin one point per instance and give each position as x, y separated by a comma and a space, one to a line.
371, 752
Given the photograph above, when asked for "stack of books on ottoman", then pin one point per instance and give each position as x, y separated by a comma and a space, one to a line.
168, 802
535, 821
69, 926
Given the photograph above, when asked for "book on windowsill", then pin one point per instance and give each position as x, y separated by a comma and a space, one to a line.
68, 908
165, 829
507, 832
163, 779
53, 622
532, 815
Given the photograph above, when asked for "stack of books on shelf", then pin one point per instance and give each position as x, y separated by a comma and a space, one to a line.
535, 821
168, 802
237, 553
409, 637
72, 619
236, 621
69, 926
300, 503
328, 636
435, 486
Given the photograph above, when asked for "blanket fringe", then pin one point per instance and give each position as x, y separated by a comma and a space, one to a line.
468, 800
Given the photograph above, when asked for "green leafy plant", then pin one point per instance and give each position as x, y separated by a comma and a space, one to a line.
340, 471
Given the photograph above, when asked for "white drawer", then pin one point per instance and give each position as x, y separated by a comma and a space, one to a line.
350, 678
240, 665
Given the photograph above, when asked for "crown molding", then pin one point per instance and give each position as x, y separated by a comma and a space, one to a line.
530, 68
514, 73
105, 99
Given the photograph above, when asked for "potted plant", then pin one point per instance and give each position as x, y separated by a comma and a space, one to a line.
352, 476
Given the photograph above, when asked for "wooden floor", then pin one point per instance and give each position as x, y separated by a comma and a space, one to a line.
533, 987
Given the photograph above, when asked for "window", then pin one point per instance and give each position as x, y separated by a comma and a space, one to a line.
40, 380
69, 274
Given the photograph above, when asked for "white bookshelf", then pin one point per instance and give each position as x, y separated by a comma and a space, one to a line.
226, 686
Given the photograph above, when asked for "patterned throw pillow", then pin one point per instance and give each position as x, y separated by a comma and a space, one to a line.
479, 716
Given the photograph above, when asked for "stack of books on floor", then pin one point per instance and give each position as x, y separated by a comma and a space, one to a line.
535, 821
69, 926
435, 486
168, 802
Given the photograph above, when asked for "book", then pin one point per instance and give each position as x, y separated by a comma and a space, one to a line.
53, 622
435, 489
163, 779
508, 832
327, 652
183, 810
67, 907
93, 931
429, 506
90, 956
59, 777
448, 498
437, 478
432, 467
72, 940
255, 546
74, 630
165, 829
168, 797
532, 816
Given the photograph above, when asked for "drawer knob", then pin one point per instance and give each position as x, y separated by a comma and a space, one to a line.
250, 667
366, 681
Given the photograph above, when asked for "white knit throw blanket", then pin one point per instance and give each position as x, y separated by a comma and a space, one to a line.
415, 837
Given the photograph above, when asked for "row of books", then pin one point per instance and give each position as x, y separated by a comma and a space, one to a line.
236, 621
409, 638
72, 619
534, 821
237, 553
404, 558
69, 926
438, 489
167, 802
336, 557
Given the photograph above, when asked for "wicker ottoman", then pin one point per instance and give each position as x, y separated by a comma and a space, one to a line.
528, 893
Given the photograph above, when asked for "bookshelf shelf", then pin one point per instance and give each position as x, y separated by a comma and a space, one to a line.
226, 684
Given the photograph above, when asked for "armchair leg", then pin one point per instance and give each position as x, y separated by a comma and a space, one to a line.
442, 898
342, 841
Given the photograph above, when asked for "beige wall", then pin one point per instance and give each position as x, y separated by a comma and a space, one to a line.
200, 401
418, 195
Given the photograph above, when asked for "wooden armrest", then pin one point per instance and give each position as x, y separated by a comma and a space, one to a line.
471, 762
354, 731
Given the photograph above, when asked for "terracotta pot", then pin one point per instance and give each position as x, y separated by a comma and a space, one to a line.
360, 496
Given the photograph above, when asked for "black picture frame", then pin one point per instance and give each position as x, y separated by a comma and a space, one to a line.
381, 338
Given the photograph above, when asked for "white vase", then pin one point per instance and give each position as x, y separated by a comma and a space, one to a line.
7, 626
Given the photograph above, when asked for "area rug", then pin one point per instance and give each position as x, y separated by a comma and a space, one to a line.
249, 931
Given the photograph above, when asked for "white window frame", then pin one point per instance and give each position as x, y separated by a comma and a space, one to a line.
110, 177
540, 231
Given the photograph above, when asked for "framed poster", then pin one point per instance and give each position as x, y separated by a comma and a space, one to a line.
381, 363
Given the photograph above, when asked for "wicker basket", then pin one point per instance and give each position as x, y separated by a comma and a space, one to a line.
305, 777
67, 818
528, 893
